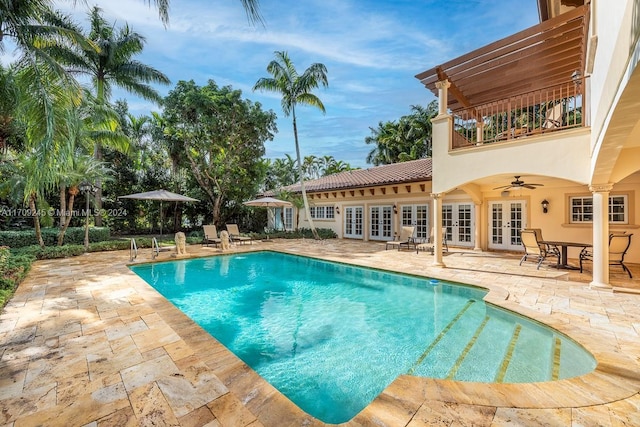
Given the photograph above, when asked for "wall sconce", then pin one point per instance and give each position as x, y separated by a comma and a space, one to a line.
395, 209
545, 205
338, 210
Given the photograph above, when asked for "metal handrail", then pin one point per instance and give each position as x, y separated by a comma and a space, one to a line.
155, 248
133, 250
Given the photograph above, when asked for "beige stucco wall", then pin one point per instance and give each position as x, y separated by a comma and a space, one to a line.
615, 26
401, 194
558, 154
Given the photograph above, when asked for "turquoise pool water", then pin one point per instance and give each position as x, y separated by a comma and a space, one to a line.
331, 337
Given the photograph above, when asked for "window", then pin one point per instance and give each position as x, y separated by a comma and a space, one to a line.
582, 209
330, 212
322, 212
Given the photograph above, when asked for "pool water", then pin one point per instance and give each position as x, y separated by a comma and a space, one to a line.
331, 337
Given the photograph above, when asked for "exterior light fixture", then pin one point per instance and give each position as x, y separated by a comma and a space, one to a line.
545, 205
338, 210
395, 208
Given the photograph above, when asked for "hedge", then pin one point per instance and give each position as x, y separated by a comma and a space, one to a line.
73, 236
13, 268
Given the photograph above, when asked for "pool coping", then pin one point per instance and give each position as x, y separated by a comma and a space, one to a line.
399, 401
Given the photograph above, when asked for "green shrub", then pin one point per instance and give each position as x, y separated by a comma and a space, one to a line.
73, 235
13, 269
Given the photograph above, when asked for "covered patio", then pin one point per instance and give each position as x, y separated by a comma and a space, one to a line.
86, 342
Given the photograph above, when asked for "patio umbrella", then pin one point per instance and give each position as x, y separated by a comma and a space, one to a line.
268, 202
162, 196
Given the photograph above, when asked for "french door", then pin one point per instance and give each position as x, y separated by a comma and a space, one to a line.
417, 216
353, 221
381, 222
459, 219
506, 219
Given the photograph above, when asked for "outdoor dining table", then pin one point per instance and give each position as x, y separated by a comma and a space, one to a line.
563, 251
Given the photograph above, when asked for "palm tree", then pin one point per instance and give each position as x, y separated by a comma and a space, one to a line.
40, 34
22, 184
113, 65
251, 7
295, 89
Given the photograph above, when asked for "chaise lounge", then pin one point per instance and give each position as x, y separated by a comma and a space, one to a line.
235, 236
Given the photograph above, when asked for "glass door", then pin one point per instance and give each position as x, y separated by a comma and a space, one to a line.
353, 216
506, 219
459, 219
417, 216
381, 223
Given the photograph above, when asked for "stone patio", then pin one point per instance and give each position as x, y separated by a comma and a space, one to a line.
84, 341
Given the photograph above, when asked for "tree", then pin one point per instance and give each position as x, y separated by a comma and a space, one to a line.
22, 185
295, 88
113, 65
45, 89
223, 139
409, 138
251, 7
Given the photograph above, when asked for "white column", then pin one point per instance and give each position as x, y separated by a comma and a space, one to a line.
600, 235
476, 227
437, 230
442, 86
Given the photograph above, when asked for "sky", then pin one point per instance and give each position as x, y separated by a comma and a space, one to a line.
372, 50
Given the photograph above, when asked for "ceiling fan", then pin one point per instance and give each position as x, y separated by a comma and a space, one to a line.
519, 184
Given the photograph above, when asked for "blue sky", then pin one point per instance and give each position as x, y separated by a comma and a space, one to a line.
372, 50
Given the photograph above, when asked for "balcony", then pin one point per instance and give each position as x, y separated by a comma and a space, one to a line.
524, 85
550, 109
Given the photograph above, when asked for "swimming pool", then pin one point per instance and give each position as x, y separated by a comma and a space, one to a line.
331, 337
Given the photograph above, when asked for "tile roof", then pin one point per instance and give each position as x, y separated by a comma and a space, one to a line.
396, 173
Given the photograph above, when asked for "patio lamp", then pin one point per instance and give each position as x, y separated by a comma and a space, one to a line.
545, 205
87, 189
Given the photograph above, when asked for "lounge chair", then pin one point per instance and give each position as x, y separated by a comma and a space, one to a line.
428, 245
235, 236
534, 247
618, 246
210, 235
405, 238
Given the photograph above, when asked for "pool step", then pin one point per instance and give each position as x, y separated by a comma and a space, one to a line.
495, 350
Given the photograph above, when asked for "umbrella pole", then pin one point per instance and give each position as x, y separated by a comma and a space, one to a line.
160, 218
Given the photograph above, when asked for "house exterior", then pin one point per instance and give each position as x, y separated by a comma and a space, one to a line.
372, 204
557, 104
538, 130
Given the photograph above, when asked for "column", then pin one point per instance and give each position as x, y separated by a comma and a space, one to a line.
600, 235
437, 229
476, 227
442, 86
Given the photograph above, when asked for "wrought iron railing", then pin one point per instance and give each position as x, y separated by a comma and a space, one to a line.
532, 113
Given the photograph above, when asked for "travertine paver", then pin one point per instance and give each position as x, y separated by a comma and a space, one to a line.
84, 341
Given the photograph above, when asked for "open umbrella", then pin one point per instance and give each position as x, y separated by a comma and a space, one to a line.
268, 202
162, 196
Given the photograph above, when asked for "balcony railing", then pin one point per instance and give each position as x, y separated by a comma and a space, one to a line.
533, 113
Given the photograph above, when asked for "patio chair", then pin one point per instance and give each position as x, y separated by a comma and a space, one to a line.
210, 235
534, 248
235, 236
428, 246
618, 246
551, 249
405, 238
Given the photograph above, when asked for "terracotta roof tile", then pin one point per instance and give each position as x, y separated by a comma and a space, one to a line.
396, 173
